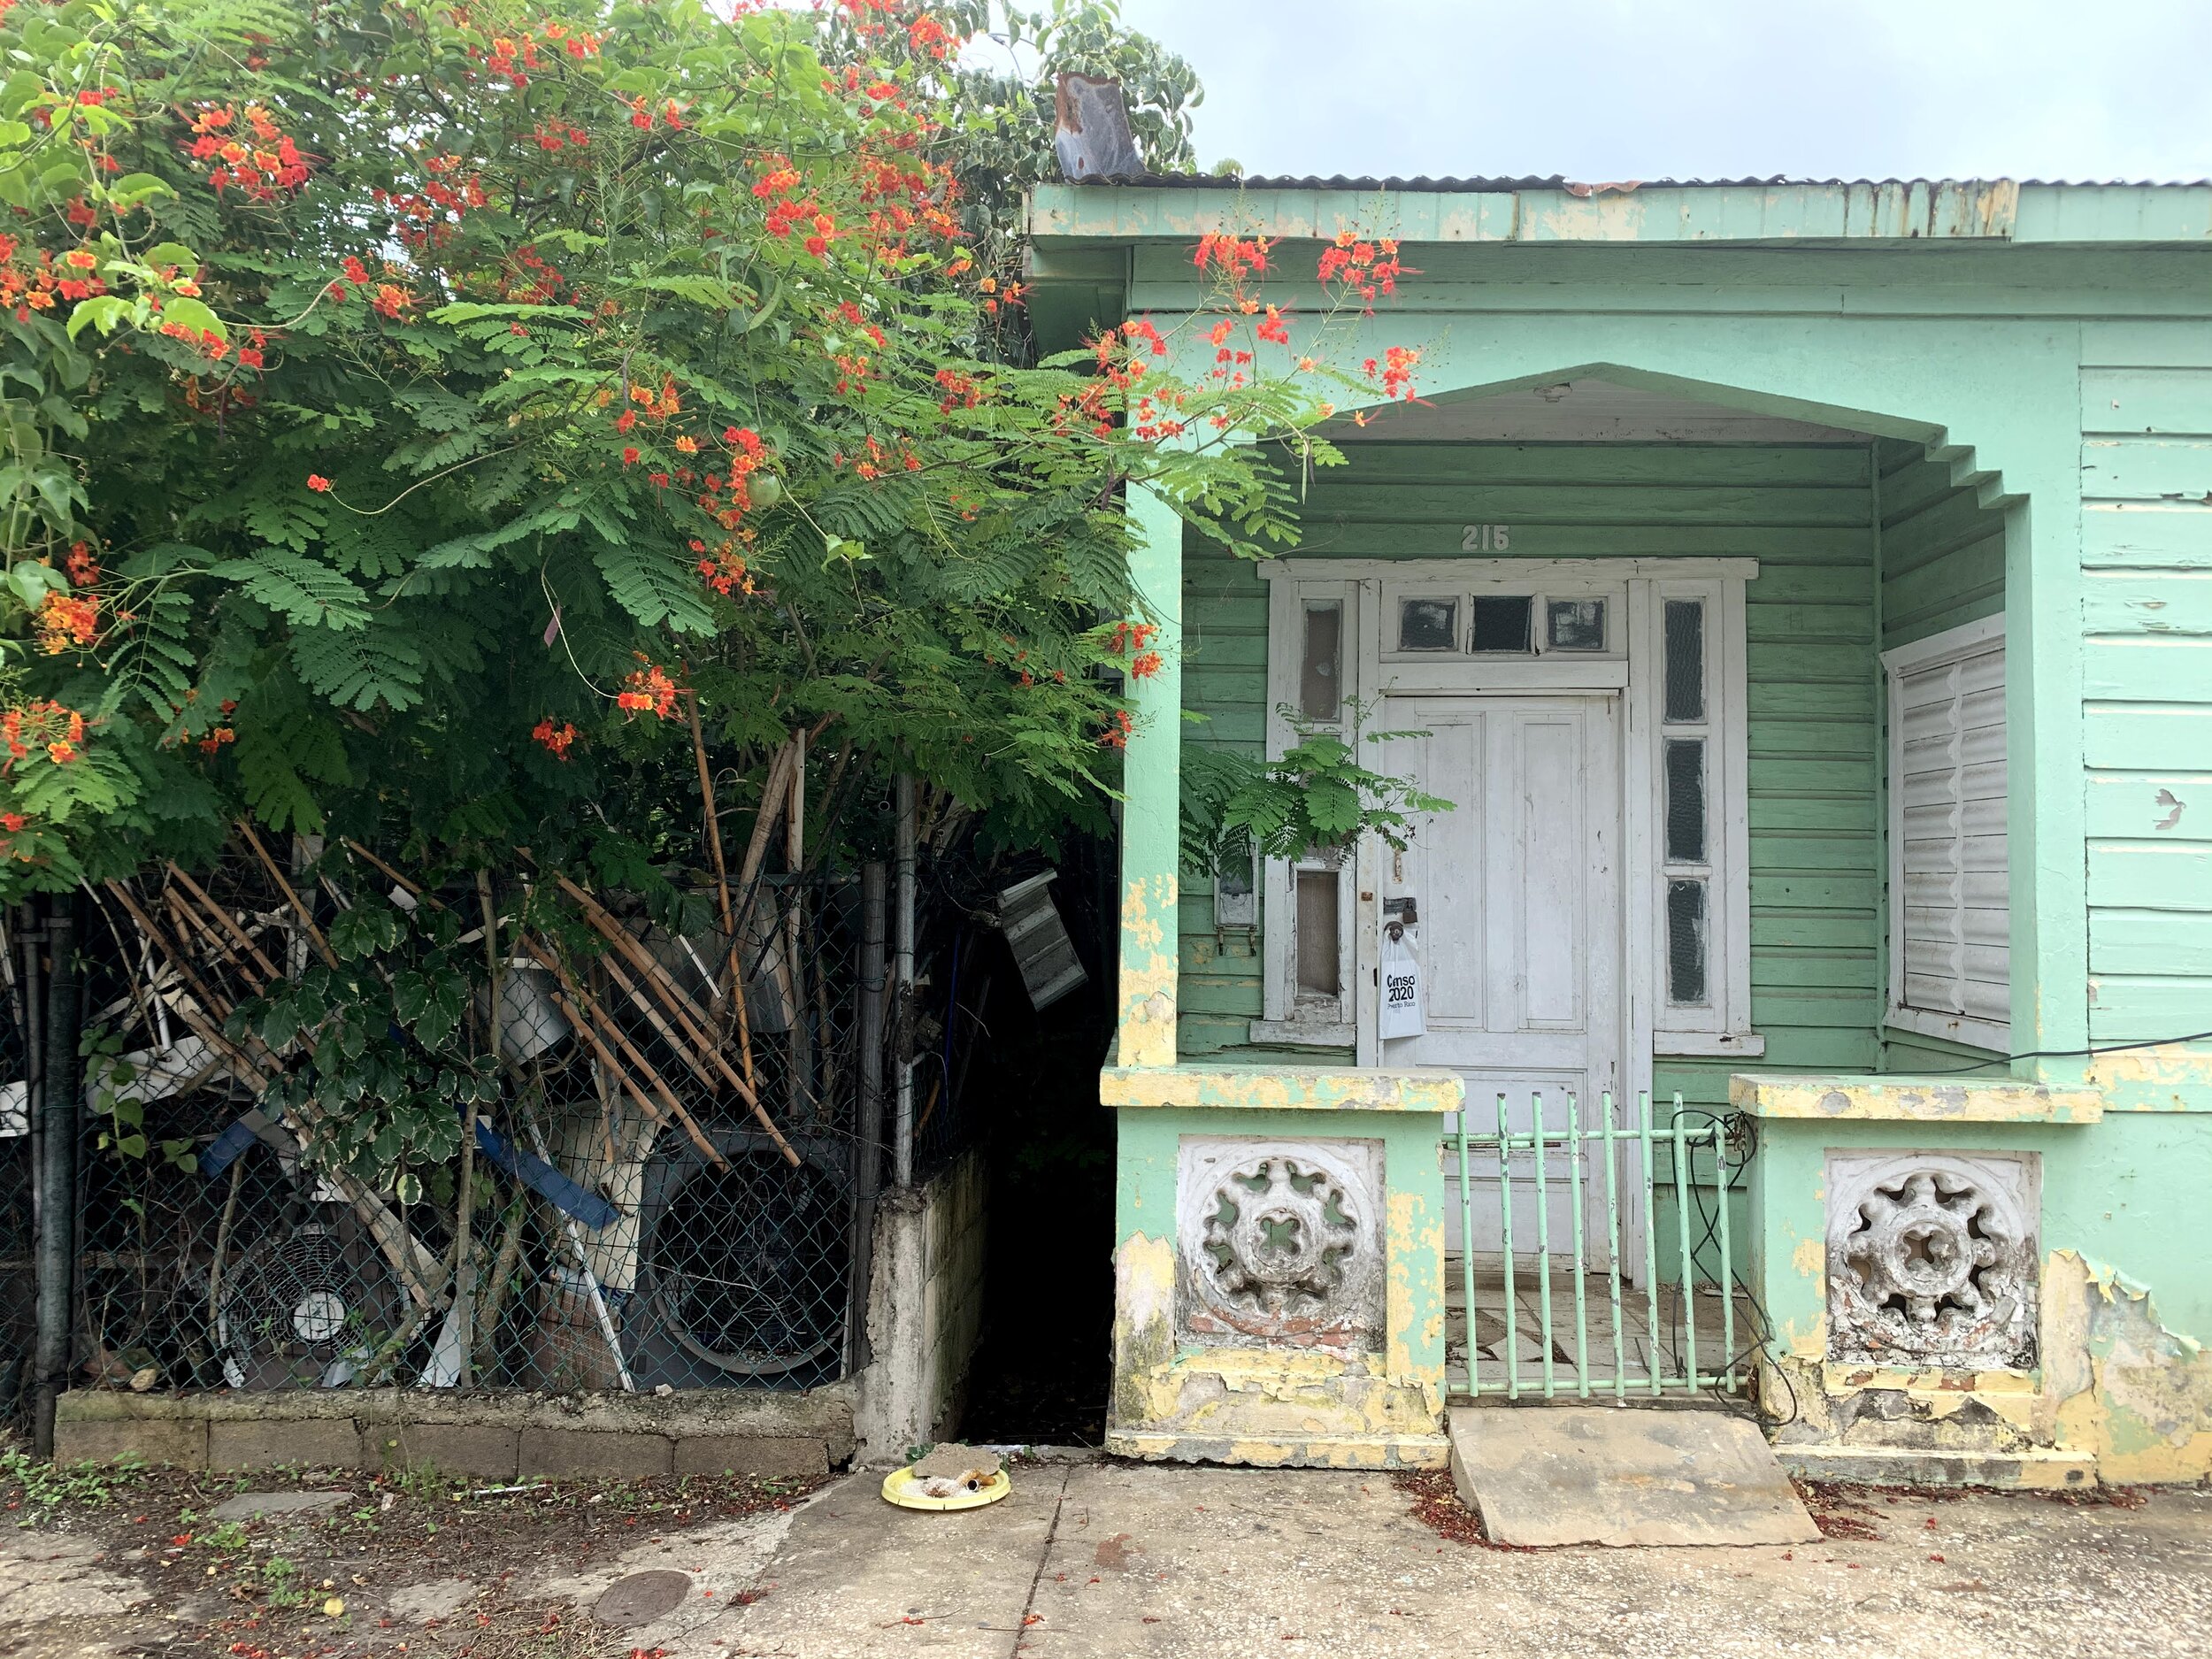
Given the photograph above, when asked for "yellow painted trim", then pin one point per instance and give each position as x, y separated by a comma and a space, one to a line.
1838, 1380
1271, 1089
1913, 1100
1310, 1451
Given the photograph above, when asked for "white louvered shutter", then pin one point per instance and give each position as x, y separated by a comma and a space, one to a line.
1947, 792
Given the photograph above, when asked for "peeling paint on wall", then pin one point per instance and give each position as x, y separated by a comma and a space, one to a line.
2117, 1390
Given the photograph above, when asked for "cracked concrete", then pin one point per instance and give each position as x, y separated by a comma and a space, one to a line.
1113, 1561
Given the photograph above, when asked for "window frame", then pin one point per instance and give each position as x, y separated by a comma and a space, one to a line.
1288, 1015
1949, 649
1720, 1025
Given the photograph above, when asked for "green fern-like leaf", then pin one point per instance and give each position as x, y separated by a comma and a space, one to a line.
654, 588
282, 757
285, 521
361, 669
307, 594
370, 547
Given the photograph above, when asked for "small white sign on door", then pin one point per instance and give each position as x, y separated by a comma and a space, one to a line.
1401, 1015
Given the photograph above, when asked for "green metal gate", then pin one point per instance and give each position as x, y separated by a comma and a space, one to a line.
1650, 1325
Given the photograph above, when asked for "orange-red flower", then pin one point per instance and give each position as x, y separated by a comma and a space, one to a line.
45, 725
558, 740
67, 620
647, 690
317, 482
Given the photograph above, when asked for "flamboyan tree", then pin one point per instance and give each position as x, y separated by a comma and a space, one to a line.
420, 414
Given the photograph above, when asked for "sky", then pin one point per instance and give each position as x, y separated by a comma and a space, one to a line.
1618, 90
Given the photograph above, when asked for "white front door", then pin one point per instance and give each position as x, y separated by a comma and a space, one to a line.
1516, 896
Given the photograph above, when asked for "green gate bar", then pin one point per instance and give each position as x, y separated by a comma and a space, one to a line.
1670, 1361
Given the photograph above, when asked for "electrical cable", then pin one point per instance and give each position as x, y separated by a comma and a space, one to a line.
2090, 1053
1743, 1128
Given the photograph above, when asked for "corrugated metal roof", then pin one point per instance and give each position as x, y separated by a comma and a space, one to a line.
1479, 184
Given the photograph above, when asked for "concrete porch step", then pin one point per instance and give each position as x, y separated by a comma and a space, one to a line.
2035, 1471
1618, 1475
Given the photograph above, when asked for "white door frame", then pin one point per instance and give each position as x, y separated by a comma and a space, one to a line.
1640, 586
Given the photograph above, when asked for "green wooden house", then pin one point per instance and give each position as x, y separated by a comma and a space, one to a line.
1803, 593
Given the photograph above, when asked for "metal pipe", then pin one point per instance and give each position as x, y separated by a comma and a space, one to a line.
58, 1175
1682, 1176
902, 982
1613, 1252
1467, 1256
1505, 1227
868, 1120
1651, 1238
1574, 1177
1543, 1239
31, 937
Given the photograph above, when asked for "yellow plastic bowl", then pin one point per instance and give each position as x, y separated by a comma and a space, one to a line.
901, 1487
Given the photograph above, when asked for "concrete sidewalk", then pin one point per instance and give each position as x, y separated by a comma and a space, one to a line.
1111, 1561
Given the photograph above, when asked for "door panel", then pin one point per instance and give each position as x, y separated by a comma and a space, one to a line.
1520, 933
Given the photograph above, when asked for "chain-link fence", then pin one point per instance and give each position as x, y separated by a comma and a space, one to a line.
673, 1173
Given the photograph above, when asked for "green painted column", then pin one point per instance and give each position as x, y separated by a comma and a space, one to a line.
1152, 790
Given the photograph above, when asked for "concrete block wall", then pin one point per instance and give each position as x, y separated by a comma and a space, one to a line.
925, 1312
503, 1437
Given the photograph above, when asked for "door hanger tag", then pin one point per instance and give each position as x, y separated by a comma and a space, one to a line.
1401, 1014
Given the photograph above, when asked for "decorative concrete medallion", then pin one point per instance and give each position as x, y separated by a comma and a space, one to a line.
1278, 1243
1932, 1260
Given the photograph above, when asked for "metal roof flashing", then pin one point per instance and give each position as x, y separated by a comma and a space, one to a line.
1530, 209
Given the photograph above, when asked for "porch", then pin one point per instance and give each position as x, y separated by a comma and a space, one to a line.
1554, 1334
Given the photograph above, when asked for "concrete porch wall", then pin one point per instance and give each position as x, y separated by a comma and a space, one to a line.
2119, 1390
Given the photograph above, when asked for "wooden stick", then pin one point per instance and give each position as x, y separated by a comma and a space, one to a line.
615, 933
586, 1008
692, 1044
691, 1052
772, 795
588, 1029
191, 924
794, 825
224, 917
686, 1013
706, 802
569, 993
251, 1074
413, 889
307, 919
401, 1247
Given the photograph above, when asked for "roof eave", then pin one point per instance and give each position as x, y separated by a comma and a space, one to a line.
2001, 210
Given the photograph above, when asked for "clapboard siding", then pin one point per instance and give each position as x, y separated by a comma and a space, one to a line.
1805, 512
2146, 676
1943, 553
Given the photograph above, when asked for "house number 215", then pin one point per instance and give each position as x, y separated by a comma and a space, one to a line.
1485, 538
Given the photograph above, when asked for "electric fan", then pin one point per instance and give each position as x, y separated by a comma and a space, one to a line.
306, 1308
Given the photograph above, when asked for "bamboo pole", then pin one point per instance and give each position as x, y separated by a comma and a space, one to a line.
686, 1014
223, 916
706, 802
401, 1247
284, 885
581, 1009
